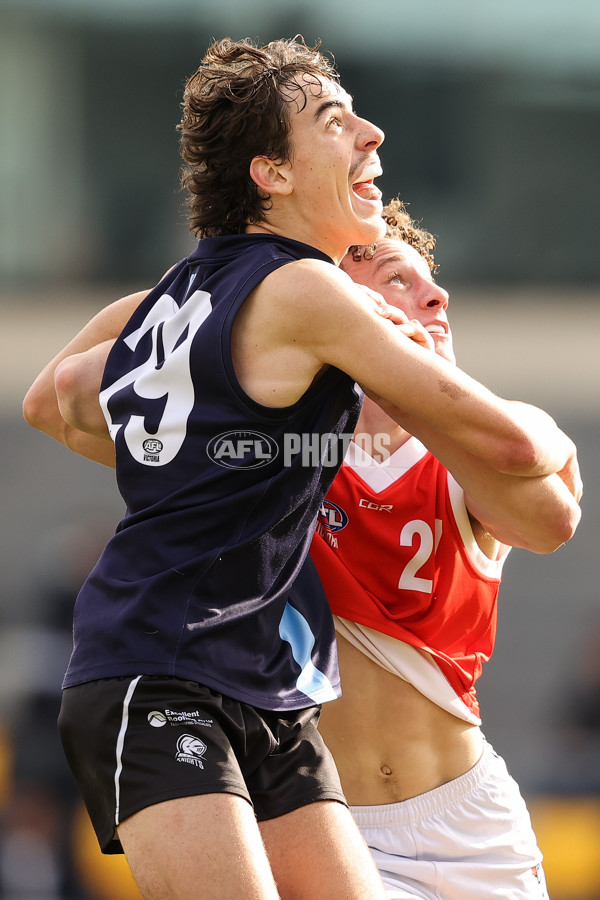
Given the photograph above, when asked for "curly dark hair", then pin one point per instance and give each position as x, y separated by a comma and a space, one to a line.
237, 106
400, 226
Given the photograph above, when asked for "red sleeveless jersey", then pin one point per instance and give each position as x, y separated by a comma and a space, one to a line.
395, 551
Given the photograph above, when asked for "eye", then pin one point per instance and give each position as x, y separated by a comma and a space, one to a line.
395, 278
334, 121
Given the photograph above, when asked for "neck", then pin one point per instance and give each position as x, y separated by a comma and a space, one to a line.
304, 235
374, 421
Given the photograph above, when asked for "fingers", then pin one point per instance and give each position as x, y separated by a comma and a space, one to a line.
395, 315
412, 328
415, 331
387, 312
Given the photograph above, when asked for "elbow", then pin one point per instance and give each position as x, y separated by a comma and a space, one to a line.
47, 405
40, 409
566, 524
525, 455
559, 528
33, 409
517, 456
66, 381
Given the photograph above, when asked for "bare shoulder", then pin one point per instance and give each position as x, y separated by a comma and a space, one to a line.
310, 295
307, 279
288, 326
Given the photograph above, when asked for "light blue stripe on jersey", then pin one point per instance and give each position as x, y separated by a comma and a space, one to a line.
294, 629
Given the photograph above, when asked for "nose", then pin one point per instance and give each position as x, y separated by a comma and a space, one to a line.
371, 137
436, 296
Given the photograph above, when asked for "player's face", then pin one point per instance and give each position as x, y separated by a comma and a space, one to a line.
401, 275
333, 167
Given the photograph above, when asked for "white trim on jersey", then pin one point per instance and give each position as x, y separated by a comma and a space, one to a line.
401, 659
380, 475
492, 568
408, 663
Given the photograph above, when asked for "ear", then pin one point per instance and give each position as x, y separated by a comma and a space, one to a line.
270, 176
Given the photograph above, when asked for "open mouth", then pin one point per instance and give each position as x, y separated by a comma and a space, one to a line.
366, 190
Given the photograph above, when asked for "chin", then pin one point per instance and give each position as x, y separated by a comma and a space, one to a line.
372, 229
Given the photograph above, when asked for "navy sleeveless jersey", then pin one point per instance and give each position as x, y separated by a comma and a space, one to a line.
221, 494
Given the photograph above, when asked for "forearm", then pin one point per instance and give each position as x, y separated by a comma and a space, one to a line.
77, 381
425, 393
537, 513
552, 448
411, 384
40, 406
98, 450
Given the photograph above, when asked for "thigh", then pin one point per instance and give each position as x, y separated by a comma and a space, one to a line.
207, 846
317, 853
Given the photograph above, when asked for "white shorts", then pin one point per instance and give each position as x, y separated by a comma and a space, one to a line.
469, 839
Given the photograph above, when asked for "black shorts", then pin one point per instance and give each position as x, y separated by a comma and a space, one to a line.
135, 741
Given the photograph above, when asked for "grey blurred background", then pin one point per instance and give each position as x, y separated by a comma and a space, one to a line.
492, 120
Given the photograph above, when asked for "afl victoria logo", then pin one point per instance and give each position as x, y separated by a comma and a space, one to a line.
242, 449
152, 445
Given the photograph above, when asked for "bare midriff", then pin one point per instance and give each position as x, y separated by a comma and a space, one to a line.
389, 741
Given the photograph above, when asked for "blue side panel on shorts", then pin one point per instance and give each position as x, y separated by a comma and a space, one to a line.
220, 504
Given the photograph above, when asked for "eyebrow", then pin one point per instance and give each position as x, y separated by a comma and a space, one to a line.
396, 258
330, 104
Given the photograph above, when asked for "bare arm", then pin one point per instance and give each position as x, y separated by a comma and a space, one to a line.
77, 381
328, 318
40, 406
536, 513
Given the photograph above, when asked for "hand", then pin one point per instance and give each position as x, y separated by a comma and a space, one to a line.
383, 308
412, 328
